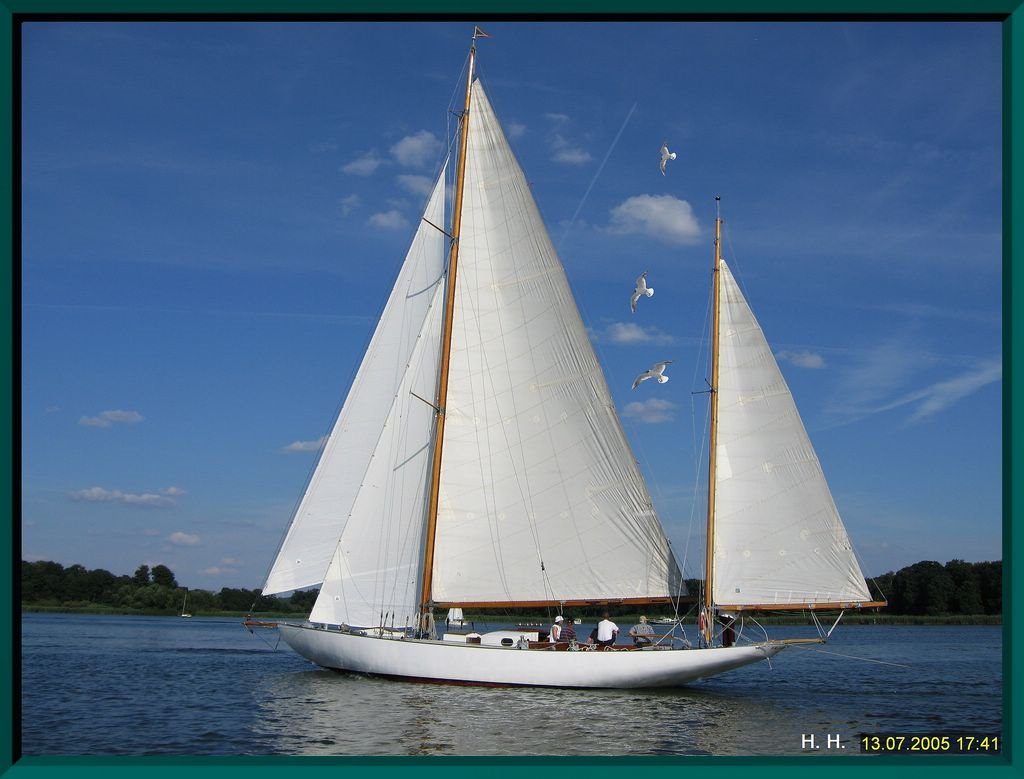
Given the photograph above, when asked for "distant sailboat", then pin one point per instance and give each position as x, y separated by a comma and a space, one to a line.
184, 606
478, 462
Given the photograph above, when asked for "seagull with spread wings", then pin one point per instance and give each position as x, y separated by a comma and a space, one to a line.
666, 155
657, 371
641, 290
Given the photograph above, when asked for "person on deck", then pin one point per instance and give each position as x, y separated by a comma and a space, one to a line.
567, 631
642, 632
728, 631
607, 631
556, 630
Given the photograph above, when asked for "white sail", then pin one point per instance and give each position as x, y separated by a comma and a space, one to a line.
374, 575
778, 537
379, 429
541, 498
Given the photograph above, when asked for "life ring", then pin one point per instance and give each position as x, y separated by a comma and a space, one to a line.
702, 621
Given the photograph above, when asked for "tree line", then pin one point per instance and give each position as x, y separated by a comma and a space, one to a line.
927, 588
153, 590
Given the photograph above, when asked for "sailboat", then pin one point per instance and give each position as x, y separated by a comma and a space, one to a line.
478, 462
184, 606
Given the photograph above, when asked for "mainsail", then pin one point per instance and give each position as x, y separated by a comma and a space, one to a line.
541, 497
778, 538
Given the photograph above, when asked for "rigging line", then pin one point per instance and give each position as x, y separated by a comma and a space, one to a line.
849, 657
593, 181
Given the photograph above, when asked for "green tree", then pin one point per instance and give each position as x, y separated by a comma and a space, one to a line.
303, 600
141, 577
966, 598
990, 582
163, 576
155, 597
880, 588
200, 601
923, 588
42, 580
231, 599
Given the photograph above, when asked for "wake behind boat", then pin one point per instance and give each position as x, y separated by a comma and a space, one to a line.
479, 449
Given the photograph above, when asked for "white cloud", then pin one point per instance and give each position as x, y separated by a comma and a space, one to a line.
565, 152
662, 217
364, 166
557, 117
417, 151
868, 387
218, 571
323, 146
572, 156
632, 333
109, 418
183, 539
943, 394
803, 359
389, 220
162, 499
304, 446
349, 204
650, 411
418, 185
515, 130
877, 372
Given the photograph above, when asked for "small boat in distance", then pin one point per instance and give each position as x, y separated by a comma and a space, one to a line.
184, 606
478, 462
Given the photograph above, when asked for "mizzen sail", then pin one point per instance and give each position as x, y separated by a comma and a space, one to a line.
778, 537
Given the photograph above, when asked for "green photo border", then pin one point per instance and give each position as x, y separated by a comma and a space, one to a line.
1009, 12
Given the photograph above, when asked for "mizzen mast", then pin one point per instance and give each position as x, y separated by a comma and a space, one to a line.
446, 341
713, 445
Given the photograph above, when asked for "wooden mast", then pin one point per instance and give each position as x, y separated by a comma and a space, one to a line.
713, 445
446, 345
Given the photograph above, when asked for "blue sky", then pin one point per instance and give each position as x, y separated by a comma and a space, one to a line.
213, 215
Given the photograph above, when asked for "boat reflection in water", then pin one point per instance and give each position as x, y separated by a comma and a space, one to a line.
329, 713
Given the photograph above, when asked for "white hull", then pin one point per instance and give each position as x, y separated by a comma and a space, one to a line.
457, 663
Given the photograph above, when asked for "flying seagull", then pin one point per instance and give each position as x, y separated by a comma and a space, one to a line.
641, 289
666, 155
656, 372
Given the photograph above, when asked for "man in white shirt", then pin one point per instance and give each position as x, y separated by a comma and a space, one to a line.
556, 629
606, 631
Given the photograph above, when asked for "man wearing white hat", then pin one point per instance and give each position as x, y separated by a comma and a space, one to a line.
556, 629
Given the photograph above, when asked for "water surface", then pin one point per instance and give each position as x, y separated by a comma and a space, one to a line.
116, 685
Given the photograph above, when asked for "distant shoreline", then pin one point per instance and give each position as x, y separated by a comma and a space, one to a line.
848, 619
